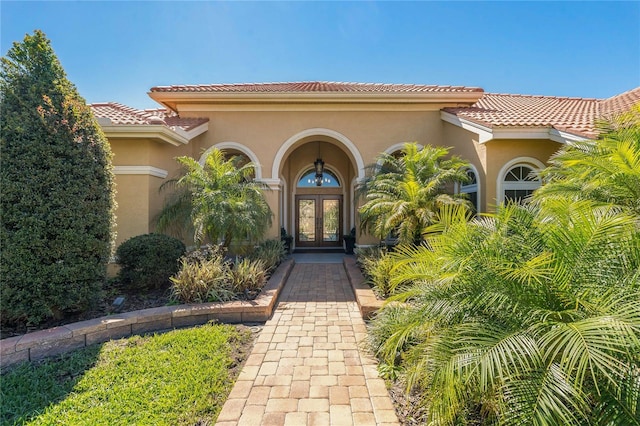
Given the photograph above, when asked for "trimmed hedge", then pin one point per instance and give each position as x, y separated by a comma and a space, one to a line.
148, 260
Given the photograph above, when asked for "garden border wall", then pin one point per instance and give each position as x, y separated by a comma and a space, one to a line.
366, 298
65, 338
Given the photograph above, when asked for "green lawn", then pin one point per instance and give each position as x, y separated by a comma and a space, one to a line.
180, 377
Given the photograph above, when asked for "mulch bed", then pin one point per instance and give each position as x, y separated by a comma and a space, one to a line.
133, 301
407, 407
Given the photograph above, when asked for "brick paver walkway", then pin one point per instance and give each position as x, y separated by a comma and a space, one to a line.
306, 367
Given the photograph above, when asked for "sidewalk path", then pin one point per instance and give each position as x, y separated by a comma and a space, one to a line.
306, 367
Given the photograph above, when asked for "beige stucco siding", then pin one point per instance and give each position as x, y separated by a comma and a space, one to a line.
132, 212
138, 195
285, 139
464, 144
264, 132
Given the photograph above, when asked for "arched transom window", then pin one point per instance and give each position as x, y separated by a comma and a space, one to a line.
329, 180
519, 183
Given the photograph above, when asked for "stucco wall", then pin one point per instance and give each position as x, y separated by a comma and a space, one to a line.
464, 144
138, 195
264, 132
346, 139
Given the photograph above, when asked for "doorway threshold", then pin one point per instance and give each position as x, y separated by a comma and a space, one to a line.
318, 250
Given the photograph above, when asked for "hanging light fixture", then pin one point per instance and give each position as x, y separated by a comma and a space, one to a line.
319, 166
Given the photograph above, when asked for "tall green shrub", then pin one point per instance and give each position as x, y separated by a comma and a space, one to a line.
56, 184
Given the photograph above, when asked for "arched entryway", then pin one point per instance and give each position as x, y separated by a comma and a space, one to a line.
318, 173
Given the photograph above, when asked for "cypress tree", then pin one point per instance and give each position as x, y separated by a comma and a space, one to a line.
56, 190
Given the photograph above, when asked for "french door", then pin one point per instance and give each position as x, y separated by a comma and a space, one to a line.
318, 220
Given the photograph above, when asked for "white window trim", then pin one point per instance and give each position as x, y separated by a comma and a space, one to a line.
400, 147
471, 188
501, 186
237, 147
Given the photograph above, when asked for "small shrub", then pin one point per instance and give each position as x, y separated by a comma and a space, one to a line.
148, 260
203, 281
271, 252
377, 265
247, 277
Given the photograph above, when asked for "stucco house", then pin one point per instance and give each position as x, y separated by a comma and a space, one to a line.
285, 128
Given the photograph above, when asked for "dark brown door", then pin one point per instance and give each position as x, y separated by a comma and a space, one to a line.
318, 220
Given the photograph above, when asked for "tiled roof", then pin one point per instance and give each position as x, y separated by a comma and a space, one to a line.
620, 103
573, 115
120, 114
316, 87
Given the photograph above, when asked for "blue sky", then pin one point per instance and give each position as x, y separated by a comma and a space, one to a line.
117, 51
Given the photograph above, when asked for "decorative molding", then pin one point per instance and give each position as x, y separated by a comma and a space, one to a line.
279, 158
140, 170
274, 184
399, 147
238, 147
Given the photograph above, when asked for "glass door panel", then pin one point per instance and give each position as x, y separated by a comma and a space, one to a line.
330, 220
307, 220
318, 221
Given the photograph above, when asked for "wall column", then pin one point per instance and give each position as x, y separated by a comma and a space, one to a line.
273, 199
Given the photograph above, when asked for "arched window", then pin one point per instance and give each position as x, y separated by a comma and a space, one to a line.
519, 182
329, 180
471, 188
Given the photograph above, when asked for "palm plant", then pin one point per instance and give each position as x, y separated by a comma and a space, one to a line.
528, 316
606, 170
404, 193
221, 199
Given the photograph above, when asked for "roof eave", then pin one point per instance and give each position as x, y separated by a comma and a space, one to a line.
172, 99
487, 133
156, 132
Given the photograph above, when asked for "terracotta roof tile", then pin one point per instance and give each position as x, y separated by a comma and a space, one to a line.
573, 115
315, 87
620, 103
120, 114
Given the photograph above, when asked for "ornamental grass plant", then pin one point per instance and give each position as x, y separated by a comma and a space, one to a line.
208, 275
202, 281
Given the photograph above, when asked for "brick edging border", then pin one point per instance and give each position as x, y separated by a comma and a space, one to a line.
366, 298
66, 338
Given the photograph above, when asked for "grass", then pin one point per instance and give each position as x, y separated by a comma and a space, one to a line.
177, 378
